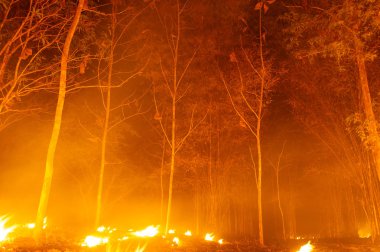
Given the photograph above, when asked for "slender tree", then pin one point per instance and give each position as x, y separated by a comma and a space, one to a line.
173, 77
255, 81
49, 167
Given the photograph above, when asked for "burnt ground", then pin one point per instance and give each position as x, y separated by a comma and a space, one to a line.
189, 245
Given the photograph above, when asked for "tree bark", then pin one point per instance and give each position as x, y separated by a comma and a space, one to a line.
367, 106
258, 138
107, 109
49, 167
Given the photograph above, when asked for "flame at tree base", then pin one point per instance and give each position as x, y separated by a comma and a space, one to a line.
306, 248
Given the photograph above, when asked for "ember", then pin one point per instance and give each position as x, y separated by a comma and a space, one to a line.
209, 237
176, 241
188, 233
93, 241
306, 248
150, 231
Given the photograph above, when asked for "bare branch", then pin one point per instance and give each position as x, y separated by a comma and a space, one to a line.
235, 108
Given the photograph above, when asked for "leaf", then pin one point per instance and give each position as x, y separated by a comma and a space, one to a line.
82, 68
28, 51
259, 5
265, 8
242, 123
157, 116
233, 57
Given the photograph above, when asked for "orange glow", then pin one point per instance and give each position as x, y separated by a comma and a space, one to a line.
365, 232
209, 237
5, 231
306, 248
150, 231
188, 233
220, 241
93, 241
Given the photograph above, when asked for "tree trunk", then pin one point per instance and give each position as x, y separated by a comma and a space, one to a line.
107, 109
49, 167
279, 197
258, 139
162, 181
367, 106
173, 131
172, 165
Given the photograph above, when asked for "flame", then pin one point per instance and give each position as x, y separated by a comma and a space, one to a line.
30, 225
220, 241
5, 231
209, 237
188, 233
364, 232
306, 248
93, 241
123, 238
44, 226
150, 231
171, 231
101, 229
176, 241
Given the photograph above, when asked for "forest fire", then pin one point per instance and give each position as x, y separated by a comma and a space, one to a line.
150, 235
209, 237
206, 119
306, 248
93, 241
150, 231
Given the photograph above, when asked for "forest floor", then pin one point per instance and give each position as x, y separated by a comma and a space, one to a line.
193, 245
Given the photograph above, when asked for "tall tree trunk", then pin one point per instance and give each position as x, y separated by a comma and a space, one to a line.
172, 163
258, 137
173, 131
367, 106
162, 180
49, 167
277, 172
107, 109
212, 219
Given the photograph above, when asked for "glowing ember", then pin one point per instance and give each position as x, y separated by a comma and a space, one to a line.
123, 238
101, 229
220, 241
171, 231
364, 232
30, 225
45, 223
306, 248
209, 237
176, 241
5, 231
188, 233
93, 241
150, 231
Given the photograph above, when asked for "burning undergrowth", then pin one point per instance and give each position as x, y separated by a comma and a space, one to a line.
20, 237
